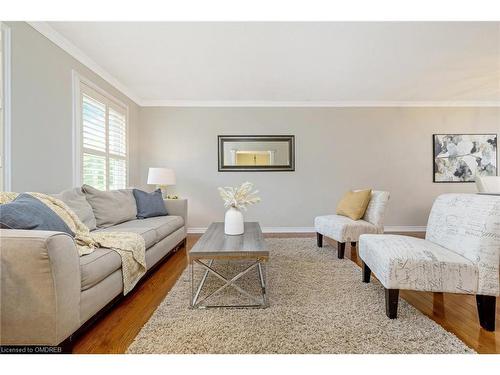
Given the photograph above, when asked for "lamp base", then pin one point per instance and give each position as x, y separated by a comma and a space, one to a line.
163, 189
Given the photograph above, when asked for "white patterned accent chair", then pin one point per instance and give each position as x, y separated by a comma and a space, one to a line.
343, 229
488, 184
460, 254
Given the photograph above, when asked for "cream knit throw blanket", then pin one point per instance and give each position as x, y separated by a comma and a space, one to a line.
130, 246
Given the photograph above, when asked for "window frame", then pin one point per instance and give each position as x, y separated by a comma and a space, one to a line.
81, 86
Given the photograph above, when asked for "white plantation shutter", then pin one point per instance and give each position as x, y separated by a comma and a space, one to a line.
94, 124
117, 133
104, 141
117, 149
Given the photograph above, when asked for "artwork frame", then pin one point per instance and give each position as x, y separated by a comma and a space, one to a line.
289, 140
452, 174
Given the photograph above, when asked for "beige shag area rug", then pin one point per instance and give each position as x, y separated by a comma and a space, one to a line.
318, 305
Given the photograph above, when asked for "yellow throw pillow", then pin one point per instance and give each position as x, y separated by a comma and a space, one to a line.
353, 204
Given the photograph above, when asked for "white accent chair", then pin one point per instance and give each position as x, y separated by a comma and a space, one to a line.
460, 254
488, 184
343, 229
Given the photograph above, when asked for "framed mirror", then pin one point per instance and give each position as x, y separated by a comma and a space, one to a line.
268, 153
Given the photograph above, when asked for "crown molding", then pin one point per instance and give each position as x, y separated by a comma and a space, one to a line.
387, 229
319, 104
46, 30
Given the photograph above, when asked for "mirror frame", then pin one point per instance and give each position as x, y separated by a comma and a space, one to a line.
256, 138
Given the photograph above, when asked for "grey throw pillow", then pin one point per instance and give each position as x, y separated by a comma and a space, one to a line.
75, 199
149, 204
111, 207
28, 212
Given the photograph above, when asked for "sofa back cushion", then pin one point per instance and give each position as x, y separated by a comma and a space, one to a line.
469, 225
75, 199
149, 204
27, 212
111, 207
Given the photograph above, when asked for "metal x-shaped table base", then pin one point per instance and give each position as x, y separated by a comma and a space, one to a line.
260, 302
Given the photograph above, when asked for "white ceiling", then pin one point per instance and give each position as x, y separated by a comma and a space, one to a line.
168, 63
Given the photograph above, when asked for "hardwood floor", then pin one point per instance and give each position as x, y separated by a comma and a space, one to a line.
116, 330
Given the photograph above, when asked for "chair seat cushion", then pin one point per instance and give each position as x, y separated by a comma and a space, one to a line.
403, 262
343, 229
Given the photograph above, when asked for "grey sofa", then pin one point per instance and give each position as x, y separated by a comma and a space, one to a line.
48, 292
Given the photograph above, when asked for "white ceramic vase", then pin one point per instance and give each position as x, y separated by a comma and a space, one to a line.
233, 222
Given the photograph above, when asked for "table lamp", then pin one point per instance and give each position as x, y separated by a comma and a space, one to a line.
161, 177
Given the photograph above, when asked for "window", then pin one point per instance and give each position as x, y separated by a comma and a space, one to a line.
103, 157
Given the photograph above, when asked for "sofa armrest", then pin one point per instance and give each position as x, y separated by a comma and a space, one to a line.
40, 287
177, 207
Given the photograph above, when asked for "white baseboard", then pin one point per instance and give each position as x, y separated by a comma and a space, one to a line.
388, 229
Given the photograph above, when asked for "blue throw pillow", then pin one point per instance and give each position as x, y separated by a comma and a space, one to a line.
27, 212
149, 204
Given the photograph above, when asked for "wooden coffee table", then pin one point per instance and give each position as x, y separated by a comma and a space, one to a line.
215, 245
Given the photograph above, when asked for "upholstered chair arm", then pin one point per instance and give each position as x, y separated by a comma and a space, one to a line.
177, 207
40, 287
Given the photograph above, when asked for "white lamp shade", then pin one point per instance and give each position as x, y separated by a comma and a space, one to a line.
161, 176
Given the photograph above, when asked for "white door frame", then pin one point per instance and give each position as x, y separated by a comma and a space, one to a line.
7, 114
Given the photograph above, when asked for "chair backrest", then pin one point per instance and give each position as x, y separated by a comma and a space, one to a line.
488, 184
375, 211
469, 225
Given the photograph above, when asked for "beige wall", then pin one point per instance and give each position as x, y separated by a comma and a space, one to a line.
336, 149
42, 112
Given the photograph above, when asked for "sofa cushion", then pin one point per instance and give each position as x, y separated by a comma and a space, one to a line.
101, 263
148, 233
149, 204
404, 262
160, 226
28, 212
98, 265
111, 207
75, 199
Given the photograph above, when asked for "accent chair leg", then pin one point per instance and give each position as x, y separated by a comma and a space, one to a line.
340, 250
391, 303
367, 272
486, 308
319, 239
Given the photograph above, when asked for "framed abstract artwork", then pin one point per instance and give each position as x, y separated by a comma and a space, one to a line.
462, 157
